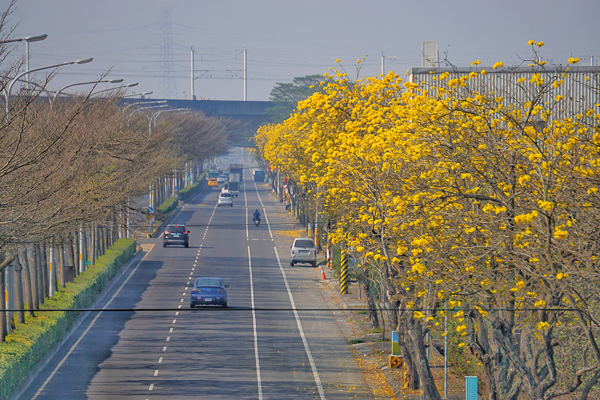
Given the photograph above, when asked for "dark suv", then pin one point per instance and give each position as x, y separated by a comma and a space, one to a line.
176, 234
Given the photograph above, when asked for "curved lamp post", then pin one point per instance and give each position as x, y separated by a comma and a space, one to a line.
85, 83
139, 94
144, 102
146, 115
116, 88
156, 114
32, 38
27, 40
15, 79
41, 87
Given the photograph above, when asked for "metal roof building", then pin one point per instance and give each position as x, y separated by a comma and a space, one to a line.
579, 85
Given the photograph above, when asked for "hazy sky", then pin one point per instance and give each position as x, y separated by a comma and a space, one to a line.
285, 38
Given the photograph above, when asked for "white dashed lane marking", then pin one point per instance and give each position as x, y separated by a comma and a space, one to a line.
160, 360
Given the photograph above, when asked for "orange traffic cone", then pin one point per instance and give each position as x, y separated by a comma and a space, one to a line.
323, 277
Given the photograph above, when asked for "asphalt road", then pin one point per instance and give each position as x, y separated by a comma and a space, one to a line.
210, 353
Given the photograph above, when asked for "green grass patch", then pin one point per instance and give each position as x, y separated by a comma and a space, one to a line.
31, 341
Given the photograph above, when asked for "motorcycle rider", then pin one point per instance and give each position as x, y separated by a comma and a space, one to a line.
256, 214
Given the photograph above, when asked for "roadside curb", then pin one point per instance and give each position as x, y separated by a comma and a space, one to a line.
35, 371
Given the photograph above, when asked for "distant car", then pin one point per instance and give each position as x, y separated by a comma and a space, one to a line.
176, 234
303, 251
208, 291
225, 199
222, 178
213, 183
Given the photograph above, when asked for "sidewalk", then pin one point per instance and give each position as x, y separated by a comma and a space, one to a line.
382, 349
371, 353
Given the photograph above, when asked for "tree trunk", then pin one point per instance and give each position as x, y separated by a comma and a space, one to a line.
28, 280
18, 288
115, 227
411, 374
417, 336
3, 317
70, 256
102, 240
33, 272
93, 243
75, 252
3, 326
61, 264
366, 286
43, 265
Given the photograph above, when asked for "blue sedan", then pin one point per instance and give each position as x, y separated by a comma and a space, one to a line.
208, 291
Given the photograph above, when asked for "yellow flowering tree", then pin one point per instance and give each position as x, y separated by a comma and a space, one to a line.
472, 198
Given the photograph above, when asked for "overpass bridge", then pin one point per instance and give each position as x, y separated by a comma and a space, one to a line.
249, 114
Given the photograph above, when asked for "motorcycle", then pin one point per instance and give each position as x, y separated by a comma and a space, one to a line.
256, 221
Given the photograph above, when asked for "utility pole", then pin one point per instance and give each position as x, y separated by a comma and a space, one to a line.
193, 96
382, 63
245, 75
27, 64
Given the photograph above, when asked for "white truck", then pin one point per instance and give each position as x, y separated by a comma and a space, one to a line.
232, 188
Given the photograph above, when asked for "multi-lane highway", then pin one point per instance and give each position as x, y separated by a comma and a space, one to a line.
233, 353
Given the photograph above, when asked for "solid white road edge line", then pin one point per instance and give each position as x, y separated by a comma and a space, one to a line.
88, 329
308, 353
246, 205
260, 394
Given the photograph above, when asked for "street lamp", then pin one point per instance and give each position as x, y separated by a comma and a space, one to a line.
116, 88
164, 111
85, 83
143, 102
27, 40
12, 82
139, 94
146, 115
33, 38
41, 87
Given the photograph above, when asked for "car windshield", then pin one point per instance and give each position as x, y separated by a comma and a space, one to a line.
304, 244
210, 282
225, 195
176, 229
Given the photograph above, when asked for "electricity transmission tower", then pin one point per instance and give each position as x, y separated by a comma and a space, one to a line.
167, 84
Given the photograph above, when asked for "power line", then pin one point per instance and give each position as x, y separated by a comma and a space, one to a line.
280, 309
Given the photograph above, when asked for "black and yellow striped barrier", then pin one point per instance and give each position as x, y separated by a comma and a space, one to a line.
396, 361
344, 277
